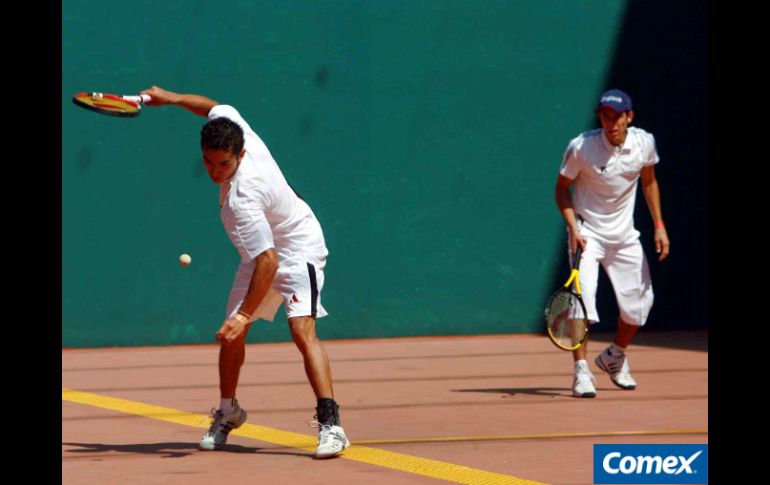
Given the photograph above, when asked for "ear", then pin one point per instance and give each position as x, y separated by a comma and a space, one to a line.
630, 117
243, 152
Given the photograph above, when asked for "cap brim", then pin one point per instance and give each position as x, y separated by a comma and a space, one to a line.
616, 106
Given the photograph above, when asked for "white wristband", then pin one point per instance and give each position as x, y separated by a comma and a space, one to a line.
240, 316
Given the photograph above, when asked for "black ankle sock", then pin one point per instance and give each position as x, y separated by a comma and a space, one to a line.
328, 411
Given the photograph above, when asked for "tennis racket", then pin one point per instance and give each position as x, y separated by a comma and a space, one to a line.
111, 104
566, 319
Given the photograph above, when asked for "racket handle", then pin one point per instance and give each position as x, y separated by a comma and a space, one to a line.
142, 98
578, 252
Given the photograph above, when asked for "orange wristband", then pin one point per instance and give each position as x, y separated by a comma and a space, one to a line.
659, 224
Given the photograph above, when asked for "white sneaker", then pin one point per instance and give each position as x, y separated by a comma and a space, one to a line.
616, 365
221, 425
331, 441
583, 385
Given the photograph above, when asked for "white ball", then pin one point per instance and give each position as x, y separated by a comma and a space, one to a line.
185, 259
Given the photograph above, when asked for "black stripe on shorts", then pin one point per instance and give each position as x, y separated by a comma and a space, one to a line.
313, 289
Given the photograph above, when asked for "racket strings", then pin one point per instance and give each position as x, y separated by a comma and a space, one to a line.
107, 104
566, 319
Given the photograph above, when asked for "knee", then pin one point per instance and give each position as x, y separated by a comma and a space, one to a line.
303, 336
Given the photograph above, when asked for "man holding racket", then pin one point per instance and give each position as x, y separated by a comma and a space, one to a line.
283, 255
603, 167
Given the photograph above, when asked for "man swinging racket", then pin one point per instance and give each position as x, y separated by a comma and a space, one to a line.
283, 254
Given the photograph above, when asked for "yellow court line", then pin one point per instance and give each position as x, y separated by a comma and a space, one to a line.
373, 456
586, 434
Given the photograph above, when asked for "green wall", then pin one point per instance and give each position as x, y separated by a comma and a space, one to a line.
425, 135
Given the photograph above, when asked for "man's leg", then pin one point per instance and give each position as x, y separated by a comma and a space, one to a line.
583, 379
625, 333
316, 361
612, 359
231, 357
629, 273
331, 438
580, 352
229, 415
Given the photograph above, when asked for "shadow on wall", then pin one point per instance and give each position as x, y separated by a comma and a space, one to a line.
660, 60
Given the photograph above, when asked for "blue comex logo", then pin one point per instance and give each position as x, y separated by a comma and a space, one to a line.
668, 464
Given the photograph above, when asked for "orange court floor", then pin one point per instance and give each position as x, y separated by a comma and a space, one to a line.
488, 409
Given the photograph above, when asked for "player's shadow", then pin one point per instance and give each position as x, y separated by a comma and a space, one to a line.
534, 391
178, 450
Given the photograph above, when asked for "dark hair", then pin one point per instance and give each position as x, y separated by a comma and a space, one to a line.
222, 134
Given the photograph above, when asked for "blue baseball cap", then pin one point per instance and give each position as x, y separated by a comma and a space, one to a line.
616, 99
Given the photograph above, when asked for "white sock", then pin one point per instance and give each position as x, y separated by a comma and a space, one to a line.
581, 364
227, 405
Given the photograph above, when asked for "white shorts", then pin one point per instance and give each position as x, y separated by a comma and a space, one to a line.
297, 284
626, 266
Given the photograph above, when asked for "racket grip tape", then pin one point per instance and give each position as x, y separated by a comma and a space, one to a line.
142, 98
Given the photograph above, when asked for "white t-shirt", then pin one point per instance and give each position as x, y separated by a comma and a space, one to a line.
605, 184
259, 209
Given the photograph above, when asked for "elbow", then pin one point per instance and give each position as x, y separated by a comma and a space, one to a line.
648, 177
561, 191
268, 260
562, 197
272, 262
649, 184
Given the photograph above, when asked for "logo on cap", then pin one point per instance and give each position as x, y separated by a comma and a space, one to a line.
616, 99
